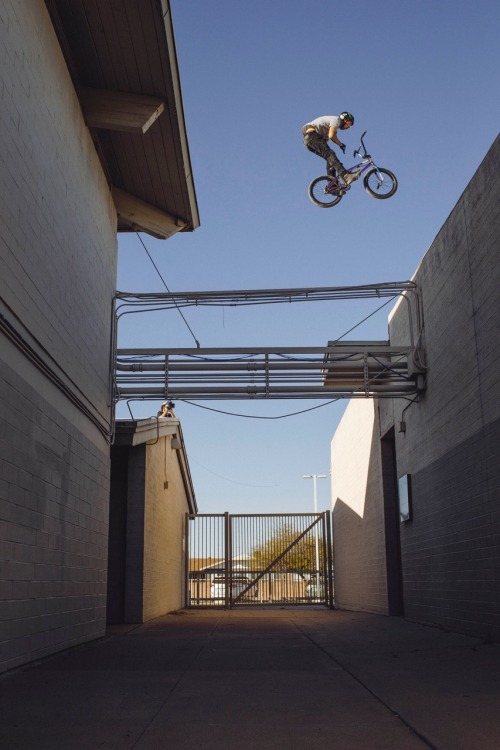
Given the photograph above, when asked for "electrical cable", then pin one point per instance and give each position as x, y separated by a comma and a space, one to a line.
291, 414
168, 290
98, 419
255, 416
226, 479
205, 358
365, 319
280, 416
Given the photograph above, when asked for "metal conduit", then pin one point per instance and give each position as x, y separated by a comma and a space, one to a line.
343, 369
268, 375
156, 394
395, 359
256, 367
266, 296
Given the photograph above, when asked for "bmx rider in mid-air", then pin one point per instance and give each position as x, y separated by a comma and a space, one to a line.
318, 132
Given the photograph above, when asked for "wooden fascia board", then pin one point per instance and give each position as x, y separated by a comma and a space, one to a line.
119, 110
144, 217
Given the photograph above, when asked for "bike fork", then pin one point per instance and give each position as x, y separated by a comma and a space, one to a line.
380, 176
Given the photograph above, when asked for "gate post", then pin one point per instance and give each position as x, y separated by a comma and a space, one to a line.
329, 558
187, 582
228, 563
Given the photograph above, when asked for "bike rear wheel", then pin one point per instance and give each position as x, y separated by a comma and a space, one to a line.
325, 191
380, 183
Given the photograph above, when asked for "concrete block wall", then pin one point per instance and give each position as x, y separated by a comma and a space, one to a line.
134, 533
54, 524
58, 251
57, 219
450, 548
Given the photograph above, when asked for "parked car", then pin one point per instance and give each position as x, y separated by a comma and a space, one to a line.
315, 589
239, 583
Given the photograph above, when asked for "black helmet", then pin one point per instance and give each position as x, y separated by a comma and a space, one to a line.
347, 116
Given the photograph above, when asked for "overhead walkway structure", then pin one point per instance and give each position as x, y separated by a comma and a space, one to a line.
341, 369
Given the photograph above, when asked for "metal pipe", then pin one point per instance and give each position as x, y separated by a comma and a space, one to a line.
260, 365
290, 391
364, 347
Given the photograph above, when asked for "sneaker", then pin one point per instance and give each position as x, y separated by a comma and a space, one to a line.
349, 177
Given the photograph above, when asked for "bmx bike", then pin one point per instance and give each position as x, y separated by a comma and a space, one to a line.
379, 182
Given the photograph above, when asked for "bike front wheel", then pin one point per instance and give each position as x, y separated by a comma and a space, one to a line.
325, 192
380, 183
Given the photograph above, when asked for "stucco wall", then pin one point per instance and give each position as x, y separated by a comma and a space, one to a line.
164, 531
57, 275
450, 444
358, 511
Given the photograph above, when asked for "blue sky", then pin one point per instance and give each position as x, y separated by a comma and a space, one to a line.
422, 79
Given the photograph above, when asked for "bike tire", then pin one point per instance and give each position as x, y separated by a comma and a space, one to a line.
319, 194
377, 189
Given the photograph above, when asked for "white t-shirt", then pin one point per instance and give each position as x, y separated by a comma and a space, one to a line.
323, 124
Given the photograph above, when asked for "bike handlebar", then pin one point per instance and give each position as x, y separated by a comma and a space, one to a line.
358, 150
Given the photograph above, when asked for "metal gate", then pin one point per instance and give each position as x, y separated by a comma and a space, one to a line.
257, 560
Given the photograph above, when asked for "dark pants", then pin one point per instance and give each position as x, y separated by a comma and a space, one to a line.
319, 146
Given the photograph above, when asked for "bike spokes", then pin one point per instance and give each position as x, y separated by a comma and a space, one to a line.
380, 183
326, 191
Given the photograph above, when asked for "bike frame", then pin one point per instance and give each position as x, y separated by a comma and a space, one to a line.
366, 163
379, 182
362, 166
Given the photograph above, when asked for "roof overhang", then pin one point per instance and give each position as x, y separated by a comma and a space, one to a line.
131, 432
122, 59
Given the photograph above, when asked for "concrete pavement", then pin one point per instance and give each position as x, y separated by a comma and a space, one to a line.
294, 679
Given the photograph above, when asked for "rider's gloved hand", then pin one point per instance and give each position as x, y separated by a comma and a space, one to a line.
342, 146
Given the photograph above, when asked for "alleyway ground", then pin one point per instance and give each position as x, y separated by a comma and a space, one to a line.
300, 679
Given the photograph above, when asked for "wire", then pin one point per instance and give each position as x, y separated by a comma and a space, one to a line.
365, 319
291, 414
254, 416
168, 290
49, 371
226, 479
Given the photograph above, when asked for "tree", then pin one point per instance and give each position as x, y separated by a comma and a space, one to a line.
301, 554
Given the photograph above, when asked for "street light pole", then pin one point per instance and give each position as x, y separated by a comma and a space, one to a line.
314, 477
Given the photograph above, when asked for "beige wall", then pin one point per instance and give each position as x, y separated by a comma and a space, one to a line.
165, 511
151, 492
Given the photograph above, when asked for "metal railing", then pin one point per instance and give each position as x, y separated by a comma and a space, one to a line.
342, 369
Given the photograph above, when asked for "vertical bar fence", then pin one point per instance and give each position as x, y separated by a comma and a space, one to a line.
267, 559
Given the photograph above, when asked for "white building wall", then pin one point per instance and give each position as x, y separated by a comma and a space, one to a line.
357, 505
